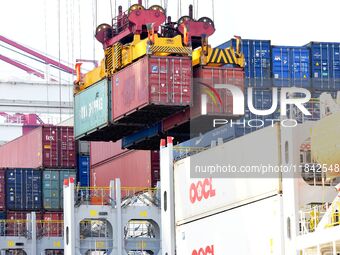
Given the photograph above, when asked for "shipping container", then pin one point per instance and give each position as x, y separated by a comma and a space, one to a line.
291, 66
2, 223
17, 222
52, 224
255, 228
2, 190
151, 89
134, 168
23, 189
144, 139
91, 107
325, 65
83, 147
103, 151
83, 171
65, 174
43, 147
197, 198
257, 61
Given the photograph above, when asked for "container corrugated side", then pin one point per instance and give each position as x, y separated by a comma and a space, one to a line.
103, 151
142, 136
65, 174
325, 65
2, 190
254, 228
83, 171
17, 223
51, 189
291, 66
151, 89
91, 108
257, 61
197, 197
134, 168
43, 147
52, 224
23, 189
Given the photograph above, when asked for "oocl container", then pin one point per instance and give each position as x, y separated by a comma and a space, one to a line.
200, 197
255, 228
151, 89
2, 190
23, 189
134, 168
43, 147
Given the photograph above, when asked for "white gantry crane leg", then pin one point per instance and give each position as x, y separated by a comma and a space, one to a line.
167, 198
69, 224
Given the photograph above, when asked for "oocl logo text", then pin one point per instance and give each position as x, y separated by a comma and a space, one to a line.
201, 189
209, 250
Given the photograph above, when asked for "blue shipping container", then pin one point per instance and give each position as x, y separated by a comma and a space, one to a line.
325, 65
23, 189
2, 223
291, 66
142, 135
257, 61
83, 171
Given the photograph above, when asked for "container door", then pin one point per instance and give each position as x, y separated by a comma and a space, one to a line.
67, 148
50, 147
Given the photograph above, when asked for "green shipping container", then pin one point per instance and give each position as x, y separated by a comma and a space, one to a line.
91, 109
65, 174
53, 181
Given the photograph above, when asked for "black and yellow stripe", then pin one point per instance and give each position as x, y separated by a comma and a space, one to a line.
220, 56
172, 50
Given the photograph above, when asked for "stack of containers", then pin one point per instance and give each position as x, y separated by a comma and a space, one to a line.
35, 166
134, 168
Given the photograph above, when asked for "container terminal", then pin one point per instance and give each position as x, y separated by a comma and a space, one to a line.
171, 145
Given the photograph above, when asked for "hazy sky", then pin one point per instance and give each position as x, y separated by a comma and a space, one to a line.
36, 23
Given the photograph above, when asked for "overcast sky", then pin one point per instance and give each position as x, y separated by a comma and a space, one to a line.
36, 23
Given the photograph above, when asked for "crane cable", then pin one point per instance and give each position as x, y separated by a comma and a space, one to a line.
59, 55
213, 9
94, 19
79, 28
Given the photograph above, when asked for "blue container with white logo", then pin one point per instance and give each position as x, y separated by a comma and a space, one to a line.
325, 65
257, 61
23, 189
291, 66
83, 171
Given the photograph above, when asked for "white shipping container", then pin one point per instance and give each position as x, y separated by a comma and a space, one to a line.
252, 229
196, 198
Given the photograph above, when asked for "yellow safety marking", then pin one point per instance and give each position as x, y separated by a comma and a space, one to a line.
100, 245
10, 243
228, 56
271, 246
142, 245
93, 213
47, 146
143, 213
57, 244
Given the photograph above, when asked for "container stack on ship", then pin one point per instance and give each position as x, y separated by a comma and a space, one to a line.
33, 168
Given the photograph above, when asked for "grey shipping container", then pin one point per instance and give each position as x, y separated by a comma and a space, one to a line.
53, 187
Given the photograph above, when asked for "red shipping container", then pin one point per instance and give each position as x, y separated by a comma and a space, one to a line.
219, 101
16, 223
151, 89
52, 224
134, 168
103, 151
2, 190
40, 148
